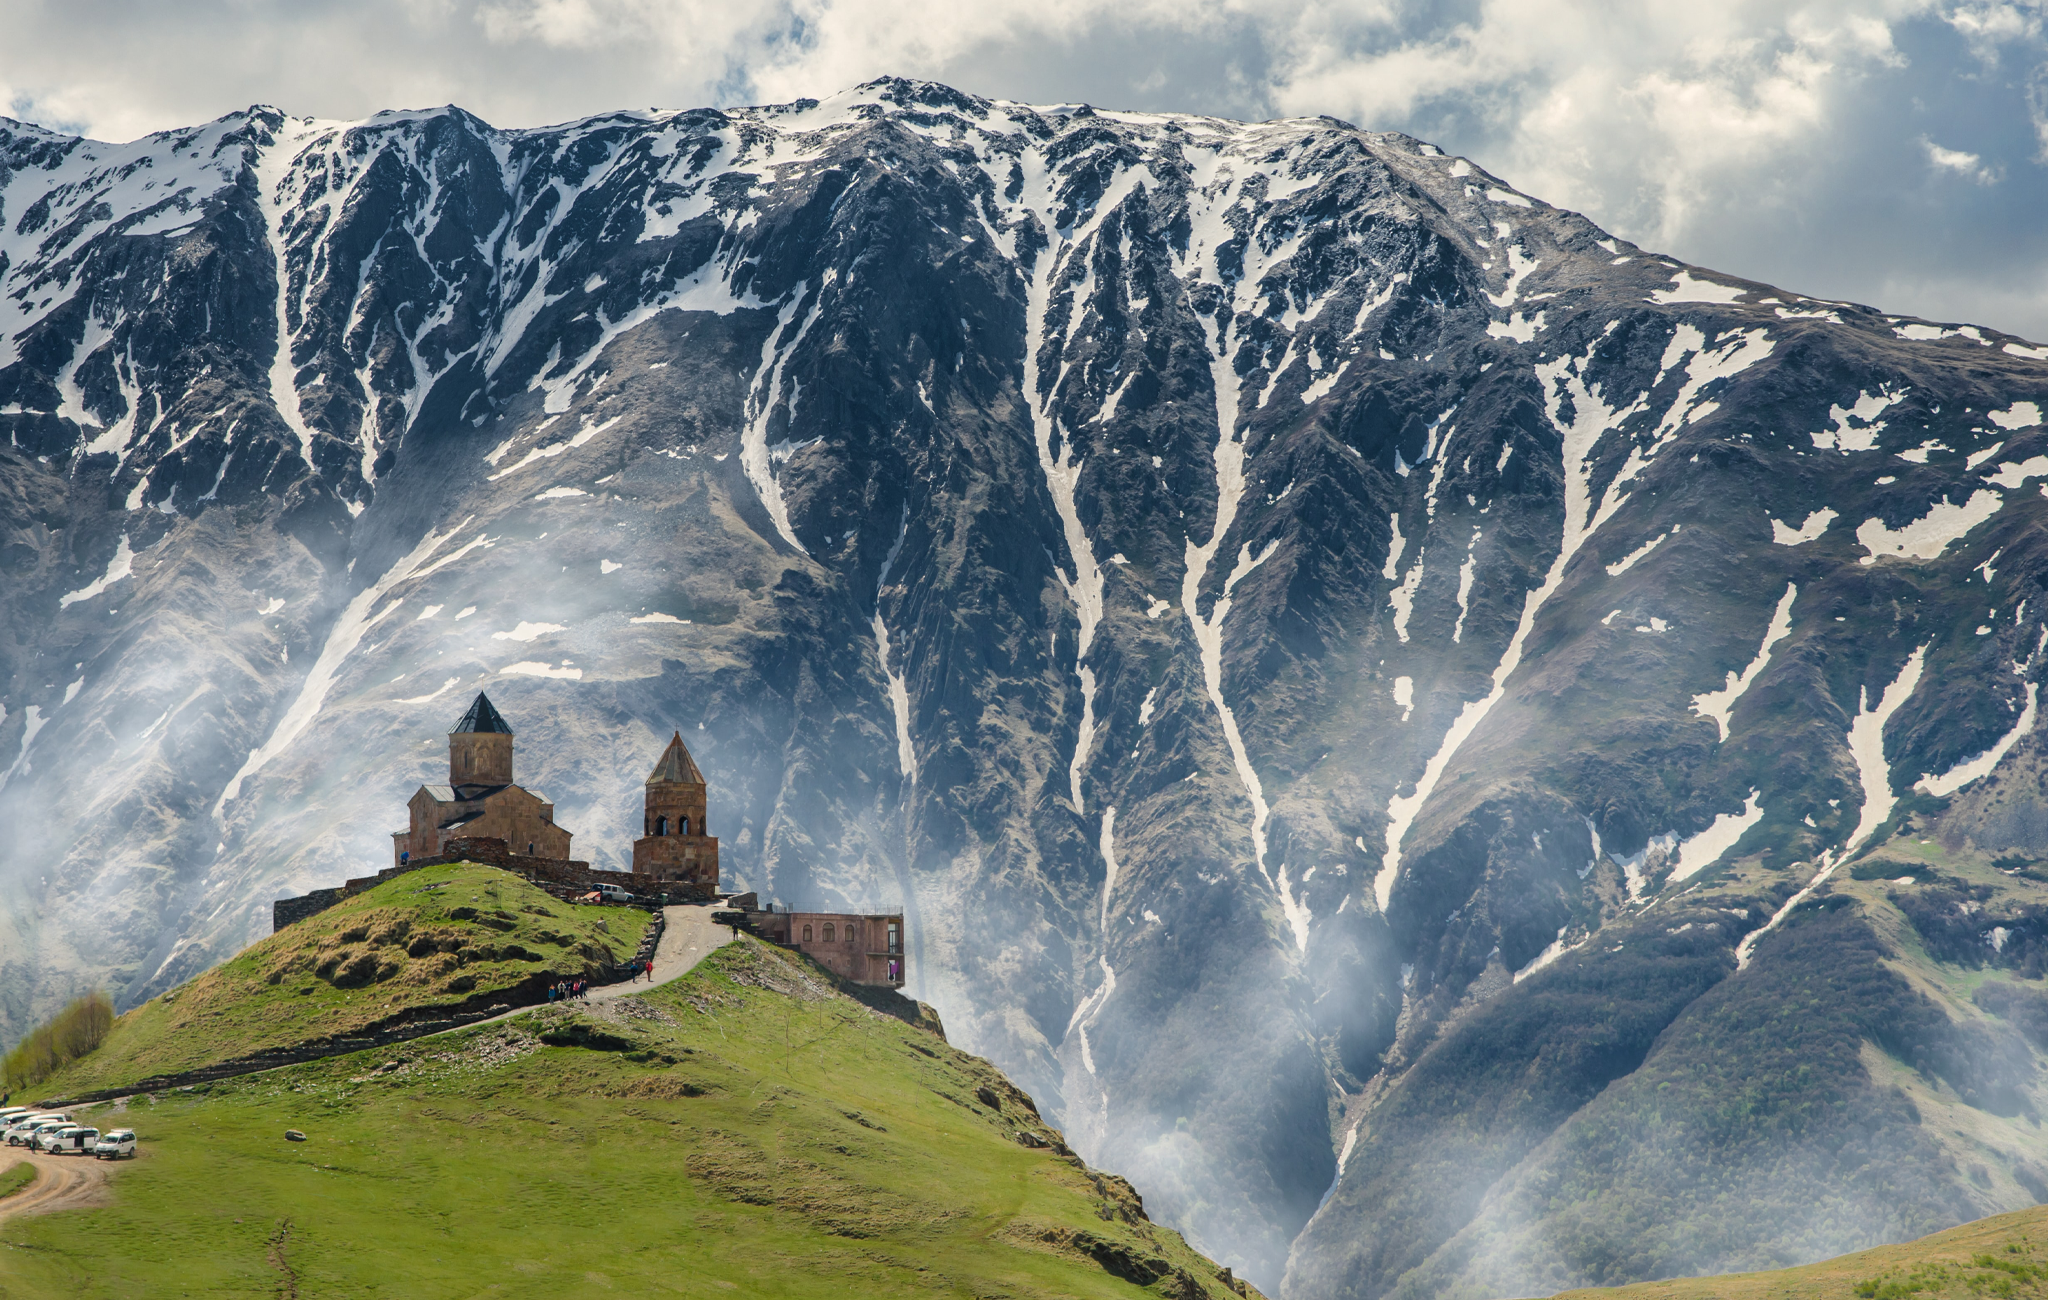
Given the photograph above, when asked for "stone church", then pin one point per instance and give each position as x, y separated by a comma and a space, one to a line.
480, 800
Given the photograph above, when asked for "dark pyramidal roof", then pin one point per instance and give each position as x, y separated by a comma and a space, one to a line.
676, 765
481, 717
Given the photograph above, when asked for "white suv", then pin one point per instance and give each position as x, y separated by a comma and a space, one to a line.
114, 1144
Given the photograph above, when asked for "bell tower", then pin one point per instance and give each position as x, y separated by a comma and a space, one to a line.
676, 845
480, 748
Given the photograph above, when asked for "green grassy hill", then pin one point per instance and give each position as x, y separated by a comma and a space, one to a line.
433, 940
2004, 1256
743, 1130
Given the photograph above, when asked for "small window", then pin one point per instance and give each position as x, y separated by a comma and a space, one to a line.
685, 827
661, 826
807, 934
829, 934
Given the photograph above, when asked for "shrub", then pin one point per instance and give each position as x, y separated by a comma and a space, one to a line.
70, 1034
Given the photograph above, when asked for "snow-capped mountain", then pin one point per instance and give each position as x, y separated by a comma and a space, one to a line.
1363, 682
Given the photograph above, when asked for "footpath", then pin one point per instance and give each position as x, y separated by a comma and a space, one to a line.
687, 937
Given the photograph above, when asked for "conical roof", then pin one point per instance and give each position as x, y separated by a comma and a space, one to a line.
481, 717
676, 765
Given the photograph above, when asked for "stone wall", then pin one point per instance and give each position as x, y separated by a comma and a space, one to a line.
561, 877
288, 911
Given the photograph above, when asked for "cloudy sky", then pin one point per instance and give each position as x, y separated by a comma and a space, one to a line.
1885, 151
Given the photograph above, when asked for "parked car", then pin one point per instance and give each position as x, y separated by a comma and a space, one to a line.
24, 1130
614, 894
114, 1144
9, 1114
69, 1140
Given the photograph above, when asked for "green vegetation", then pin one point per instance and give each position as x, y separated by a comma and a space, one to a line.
433, 940
1991, 1257
16, 1177
744, 1129
70, 1034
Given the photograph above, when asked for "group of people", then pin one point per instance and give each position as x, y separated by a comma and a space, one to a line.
565, 990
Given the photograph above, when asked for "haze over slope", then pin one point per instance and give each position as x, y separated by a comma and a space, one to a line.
1252, 593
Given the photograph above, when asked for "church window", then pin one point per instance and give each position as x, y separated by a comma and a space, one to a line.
829, 935
661, 826
807, 934
685, 829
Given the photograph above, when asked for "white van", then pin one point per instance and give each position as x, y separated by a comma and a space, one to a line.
9, 1114
68, 1140
614, 894
22, 1132
114, 1144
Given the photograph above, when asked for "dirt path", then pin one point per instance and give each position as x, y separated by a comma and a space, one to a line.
62, 1183
688, 939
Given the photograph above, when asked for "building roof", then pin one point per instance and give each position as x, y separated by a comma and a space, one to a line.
676, 765
481, 718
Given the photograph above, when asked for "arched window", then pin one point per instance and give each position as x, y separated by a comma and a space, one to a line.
829, 935
661, 826
685, 828
807, 934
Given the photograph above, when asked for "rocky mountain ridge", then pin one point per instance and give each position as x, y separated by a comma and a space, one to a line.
1270, 600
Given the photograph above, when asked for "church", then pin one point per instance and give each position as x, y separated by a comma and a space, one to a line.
481, 801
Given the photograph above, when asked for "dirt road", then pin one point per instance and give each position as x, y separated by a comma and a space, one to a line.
688, 939
62, 1183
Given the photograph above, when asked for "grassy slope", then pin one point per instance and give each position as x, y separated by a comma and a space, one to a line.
355, 965
1932, 1268
743, 1130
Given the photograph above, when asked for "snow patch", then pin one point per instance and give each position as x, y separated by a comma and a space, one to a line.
534, 668
120, 566
2020, 415
1810, 531
1687, 289
1866, 746
1981, 765
1927, 537
1706, 848
1718, 705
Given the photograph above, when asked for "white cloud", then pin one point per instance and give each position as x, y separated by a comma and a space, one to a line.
1963, 164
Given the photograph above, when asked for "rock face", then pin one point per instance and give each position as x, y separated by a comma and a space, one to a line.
1339, 661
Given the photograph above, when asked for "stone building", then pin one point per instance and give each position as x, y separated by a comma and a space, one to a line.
480, 800
676, 844
865, 948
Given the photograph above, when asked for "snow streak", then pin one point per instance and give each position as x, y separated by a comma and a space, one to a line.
1866, 746
1591, 418
899, 693
1719, 704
